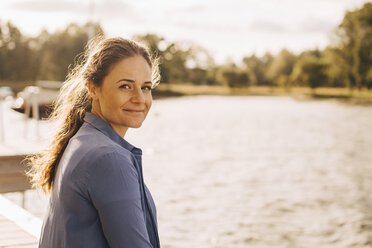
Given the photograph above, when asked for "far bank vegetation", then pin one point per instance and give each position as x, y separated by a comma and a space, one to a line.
343, 68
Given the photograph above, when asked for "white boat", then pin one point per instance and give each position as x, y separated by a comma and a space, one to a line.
39, 97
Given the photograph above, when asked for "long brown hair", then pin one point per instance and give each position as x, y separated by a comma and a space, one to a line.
74, 100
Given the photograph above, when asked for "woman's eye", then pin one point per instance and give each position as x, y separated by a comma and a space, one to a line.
125, 86
146, 88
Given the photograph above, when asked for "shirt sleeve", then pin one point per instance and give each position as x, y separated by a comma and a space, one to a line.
115, 192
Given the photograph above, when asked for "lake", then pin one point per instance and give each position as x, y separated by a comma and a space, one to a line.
256, 172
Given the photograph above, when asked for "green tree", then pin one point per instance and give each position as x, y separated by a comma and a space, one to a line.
198, 75
310, 71
172, 58
257, 68
198, 65
369, 79
152, 41
355, 44
17, 58
281, 68
233, 76
337, 71
174, 64
60, 49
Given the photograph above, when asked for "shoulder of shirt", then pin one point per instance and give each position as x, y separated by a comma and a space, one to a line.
97, 145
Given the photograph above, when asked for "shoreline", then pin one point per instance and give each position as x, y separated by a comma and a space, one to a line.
344, 95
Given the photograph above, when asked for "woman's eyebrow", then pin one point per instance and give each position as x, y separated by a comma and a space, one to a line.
126, 79
131, 81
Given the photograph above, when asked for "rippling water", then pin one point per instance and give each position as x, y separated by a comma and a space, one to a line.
257, 172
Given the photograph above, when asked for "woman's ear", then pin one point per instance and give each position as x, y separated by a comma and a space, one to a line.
92, 89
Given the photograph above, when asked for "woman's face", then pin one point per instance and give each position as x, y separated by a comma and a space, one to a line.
124, 98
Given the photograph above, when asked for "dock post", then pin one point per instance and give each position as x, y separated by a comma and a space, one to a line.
24, 199
5, 91
35, 111
1, 122
32, 103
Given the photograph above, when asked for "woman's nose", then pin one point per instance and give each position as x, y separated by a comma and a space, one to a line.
138, 96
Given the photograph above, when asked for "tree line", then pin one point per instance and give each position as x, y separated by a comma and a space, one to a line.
345, 62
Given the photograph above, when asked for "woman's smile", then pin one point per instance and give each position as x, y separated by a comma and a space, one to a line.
135, 111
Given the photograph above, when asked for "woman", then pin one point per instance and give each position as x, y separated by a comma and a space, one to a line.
98, 197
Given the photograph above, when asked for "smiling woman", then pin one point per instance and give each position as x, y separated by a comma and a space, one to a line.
124, 99
98, 196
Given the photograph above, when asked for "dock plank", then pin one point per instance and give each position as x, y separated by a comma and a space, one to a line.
13, 236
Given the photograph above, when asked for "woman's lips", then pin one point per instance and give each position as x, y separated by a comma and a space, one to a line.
134, 110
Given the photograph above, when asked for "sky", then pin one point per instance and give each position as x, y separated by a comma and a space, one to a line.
229, 30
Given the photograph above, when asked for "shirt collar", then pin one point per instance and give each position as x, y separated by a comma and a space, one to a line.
107, 130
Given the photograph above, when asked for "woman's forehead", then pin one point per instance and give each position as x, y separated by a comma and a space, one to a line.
133, 68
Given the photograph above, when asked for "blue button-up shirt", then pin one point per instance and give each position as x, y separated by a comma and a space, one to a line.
99, 198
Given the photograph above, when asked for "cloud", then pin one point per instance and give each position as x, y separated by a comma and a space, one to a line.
108, 8
316, 25
266, 26
195, 8
49, 6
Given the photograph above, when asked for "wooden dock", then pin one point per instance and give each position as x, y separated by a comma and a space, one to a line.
18, 228
20, 137
12, 236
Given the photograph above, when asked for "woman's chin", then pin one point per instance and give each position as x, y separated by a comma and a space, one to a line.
136, 125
